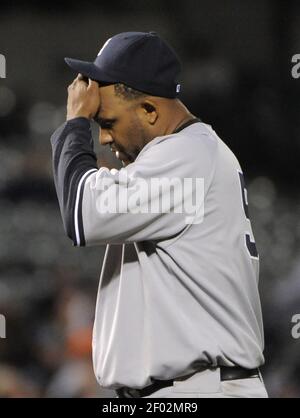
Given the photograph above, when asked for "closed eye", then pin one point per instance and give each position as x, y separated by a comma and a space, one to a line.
104, 123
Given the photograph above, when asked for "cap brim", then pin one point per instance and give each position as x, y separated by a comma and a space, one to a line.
89, 70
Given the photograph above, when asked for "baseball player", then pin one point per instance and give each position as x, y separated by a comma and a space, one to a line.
178, 311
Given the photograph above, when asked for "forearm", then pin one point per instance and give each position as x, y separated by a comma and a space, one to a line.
73, 159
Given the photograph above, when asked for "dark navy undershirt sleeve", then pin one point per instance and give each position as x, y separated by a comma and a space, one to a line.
73, 157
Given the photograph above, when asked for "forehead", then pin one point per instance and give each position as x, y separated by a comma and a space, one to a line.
110, 103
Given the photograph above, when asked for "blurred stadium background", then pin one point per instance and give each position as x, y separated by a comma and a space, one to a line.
237, 76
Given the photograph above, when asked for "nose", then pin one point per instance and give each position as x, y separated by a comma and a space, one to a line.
105, 137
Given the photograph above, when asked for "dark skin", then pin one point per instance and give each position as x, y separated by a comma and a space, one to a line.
126, 125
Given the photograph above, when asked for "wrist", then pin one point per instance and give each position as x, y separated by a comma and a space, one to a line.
71, 116
79, 121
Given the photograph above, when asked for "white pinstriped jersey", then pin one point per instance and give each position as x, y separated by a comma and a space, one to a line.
172, 296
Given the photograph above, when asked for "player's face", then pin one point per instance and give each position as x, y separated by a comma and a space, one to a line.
121, 126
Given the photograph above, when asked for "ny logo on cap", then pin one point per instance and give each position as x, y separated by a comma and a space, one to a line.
178, 87
2, 66
101, 50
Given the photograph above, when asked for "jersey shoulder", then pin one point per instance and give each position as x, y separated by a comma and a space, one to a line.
194, 143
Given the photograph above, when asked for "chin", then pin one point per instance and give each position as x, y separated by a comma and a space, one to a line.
126, 163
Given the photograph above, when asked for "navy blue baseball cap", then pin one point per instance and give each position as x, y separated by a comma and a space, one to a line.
141, 60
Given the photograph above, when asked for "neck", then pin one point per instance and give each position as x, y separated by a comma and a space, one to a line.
178, 114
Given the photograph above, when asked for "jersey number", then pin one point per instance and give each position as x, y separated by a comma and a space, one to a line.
251, 246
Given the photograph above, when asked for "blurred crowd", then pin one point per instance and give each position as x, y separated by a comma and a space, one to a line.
48, 287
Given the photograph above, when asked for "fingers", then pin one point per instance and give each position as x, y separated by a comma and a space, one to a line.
79, 80
83, 98
93, 85
82, 82
72, 85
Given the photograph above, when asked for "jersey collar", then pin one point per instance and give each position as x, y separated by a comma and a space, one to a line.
186, 124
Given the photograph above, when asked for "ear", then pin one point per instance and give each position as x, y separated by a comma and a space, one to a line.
149, 111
